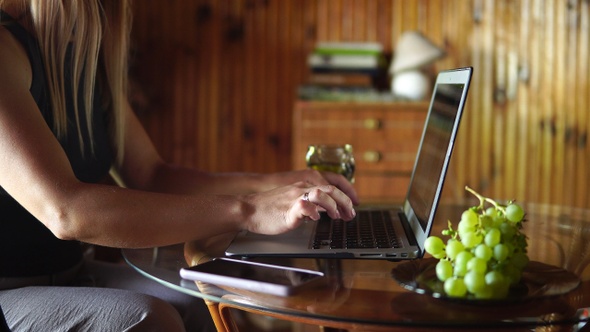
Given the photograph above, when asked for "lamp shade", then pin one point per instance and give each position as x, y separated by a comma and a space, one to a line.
413, 51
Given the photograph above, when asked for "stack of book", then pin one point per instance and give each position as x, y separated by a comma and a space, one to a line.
342, 57
341, 71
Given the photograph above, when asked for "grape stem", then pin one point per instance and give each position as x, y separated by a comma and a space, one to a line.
483, 199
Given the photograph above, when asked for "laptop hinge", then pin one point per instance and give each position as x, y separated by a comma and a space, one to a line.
409, 232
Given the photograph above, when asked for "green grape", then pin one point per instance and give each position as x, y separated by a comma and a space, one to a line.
492, 237
440, 255
486, 221
508, 231
477, 265
461, 263
463, 258
514, 213
459, 270
485, 293
444, 270
470, 218
500, 287
474, 281
471, 239
455, 287
494, 278
501, 252
484, 252
498, 221
434, 245
491, 211
464, 228
454, 247
485, 255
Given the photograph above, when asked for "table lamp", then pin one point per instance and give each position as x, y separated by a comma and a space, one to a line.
413, 53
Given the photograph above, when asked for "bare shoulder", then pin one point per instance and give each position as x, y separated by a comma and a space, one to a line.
15, 67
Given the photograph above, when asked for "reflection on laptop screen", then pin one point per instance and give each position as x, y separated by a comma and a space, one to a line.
430, 160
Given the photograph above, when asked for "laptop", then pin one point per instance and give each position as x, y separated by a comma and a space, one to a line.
396, 232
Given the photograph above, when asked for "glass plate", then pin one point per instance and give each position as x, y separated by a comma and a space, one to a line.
538, 280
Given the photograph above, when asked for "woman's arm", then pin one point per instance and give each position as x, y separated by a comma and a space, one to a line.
144, 169
36, 172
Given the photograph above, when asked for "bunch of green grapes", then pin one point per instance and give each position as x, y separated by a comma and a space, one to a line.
487, 253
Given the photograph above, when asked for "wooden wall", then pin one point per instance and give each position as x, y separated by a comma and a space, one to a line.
216, 82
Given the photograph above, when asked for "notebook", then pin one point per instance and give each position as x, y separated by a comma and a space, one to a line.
396, 232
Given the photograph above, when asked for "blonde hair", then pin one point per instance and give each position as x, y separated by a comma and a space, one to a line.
98, 32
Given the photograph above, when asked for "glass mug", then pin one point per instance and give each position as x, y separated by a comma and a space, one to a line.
332, 158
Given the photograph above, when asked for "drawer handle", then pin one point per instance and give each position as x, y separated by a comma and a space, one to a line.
372, 156
372, 124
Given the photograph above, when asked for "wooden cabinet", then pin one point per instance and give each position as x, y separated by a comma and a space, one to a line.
384, 136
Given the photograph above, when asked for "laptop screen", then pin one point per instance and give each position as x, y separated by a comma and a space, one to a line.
435, 146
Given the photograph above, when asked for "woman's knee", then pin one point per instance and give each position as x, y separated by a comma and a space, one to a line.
140, 312
87, 309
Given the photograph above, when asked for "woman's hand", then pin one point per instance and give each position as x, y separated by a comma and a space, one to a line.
285, 208
314, 178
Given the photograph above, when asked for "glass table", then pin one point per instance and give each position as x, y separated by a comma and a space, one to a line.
364, 295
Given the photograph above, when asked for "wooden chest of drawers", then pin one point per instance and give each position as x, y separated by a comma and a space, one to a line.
384, 136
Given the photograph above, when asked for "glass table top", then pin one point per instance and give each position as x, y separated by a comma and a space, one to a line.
370, 292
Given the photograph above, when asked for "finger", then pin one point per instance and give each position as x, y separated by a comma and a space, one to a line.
343, 203
337, 204
307, 208
343, 184
321, 200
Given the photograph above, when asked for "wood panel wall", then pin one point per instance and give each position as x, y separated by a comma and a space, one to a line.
528, 123
216, 82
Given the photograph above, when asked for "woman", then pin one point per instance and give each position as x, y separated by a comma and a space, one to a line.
65, 125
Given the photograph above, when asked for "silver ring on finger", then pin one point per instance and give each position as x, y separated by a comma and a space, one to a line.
305, 197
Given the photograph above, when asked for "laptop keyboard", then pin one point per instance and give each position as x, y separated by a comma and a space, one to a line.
370, 229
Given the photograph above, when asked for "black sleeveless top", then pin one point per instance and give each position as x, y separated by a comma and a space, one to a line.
27, 247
